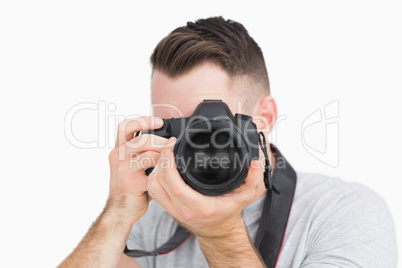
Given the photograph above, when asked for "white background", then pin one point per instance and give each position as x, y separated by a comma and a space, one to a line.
55, 55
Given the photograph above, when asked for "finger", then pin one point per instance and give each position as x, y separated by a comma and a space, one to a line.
137, 165
254, 177
134, 147
248, 188
155, 190
128, 127
171, 180
146, 142
144, 160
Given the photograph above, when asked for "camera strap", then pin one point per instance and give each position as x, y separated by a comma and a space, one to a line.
272, 227
277, 205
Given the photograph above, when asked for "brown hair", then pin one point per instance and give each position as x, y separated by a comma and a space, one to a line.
223, 42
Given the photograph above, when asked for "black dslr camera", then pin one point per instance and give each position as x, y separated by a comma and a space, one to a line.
214, 149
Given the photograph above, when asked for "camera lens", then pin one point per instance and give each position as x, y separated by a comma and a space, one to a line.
213, 157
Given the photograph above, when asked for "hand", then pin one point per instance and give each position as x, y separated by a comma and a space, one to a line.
205, 216
128, 197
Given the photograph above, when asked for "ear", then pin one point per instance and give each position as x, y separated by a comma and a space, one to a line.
265, 114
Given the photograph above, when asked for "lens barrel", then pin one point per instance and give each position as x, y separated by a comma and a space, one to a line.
214, 148
212, 158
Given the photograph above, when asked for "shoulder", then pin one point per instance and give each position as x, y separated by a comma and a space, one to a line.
342, 222
321, 194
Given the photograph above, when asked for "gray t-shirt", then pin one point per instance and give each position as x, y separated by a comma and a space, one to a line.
332, 223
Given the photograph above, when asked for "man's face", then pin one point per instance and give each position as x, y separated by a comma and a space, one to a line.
178, 97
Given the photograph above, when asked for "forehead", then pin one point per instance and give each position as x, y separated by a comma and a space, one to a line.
179, 96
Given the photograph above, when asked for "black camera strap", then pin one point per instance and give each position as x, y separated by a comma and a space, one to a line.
179, 237
277, 205
276, 210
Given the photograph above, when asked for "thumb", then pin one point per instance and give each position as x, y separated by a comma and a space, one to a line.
170, 143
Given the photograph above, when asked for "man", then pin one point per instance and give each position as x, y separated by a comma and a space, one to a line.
331, 224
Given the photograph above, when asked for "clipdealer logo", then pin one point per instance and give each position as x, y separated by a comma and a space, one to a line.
320, 134
319, 131
107, 124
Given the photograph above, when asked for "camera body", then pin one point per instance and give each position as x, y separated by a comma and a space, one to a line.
214, 148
